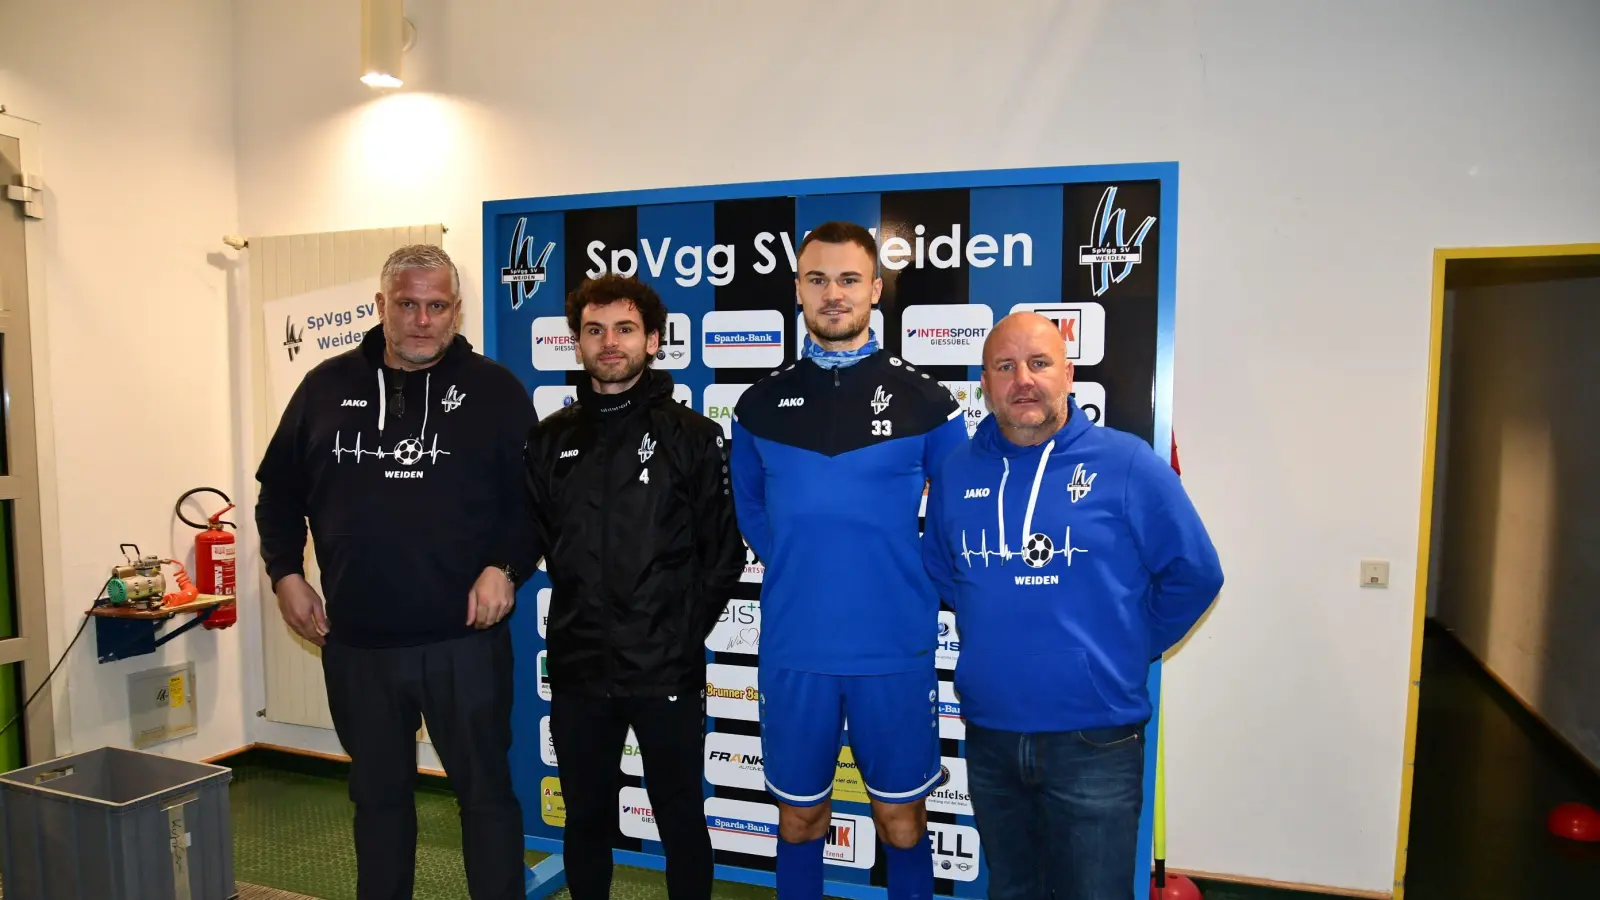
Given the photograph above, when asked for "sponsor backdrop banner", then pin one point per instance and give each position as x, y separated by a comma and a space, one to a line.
1091, 248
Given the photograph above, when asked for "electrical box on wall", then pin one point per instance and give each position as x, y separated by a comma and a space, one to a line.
161, 704
1375, 573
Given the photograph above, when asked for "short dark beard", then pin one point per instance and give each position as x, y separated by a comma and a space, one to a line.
847, 331
633, 369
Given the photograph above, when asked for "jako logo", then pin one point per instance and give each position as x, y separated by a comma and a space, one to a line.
568, 454
523, 273
976, 493
1110, 247
354, 403
791, 401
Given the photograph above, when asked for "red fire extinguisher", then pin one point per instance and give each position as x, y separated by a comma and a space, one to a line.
214, 559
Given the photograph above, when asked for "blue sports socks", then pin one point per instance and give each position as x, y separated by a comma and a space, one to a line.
910, 872
800, 870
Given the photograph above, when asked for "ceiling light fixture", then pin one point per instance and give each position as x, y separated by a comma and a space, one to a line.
386, 34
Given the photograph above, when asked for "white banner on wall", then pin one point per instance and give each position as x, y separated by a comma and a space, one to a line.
305, 329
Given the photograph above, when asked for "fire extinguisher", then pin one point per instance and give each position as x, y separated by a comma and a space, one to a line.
214, 558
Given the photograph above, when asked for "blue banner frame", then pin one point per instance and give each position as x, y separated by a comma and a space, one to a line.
815, 199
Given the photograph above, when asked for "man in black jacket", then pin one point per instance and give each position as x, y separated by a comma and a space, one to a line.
405, 454
636, 523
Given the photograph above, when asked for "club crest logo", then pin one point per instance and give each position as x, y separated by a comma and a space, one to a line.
524, 272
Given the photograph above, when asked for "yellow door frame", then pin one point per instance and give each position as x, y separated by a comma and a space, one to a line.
1425, 516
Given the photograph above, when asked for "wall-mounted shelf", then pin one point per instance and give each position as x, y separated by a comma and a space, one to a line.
122, 632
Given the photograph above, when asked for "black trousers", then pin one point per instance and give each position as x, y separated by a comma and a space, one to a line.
589, 733
463, 688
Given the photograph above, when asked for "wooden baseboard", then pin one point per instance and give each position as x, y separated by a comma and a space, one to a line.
1285, 885
312, 754
213, 760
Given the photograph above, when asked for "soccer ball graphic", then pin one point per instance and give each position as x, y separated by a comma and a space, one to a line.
1038, 550
408, 451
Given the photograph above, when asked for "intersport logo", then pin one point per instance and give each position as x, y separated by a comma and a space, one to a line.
554, 349
945, 334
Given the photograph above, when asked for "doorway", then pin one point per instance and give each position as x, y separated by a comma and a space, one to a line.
24, 640
1505, 705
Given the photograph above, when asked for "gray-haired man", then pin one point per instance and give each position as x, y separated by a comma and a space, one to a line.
405, 456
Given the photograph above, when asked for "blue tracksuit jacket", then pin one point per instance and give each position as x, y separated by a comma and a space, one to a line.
829, 467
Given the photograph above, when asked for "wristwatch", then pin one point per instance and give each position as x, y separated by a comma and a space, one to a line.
509, 572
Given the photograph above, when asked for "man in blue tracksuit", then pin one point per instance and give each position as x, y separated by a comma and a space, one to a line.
830, 457
1073, 558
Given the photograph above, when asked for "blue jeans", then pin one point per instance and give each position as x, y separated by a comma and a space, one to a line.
1058, 812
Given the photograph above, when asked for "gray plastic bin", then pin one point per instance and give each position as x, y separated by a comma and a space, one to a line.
114, 824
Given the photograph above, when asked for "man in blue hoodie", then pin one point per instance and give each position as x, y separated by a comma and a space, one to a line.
1073, 558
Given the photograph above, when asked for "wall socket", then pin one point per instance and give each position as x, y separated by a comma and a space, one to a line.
1375, 573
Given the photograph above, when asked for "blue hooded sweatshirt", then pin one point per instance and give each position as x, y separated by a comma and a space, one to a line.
1071, 566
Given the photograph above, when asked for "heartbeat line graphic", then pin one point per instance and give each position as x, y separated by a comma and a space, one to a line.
408, 452
1005, 554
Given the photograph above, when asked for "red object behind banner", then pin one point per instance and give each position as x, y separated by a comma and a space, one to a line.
1177, 888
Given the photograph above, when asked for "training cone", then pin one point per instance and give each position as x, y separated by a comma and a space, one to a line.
1575, 822
1178, 888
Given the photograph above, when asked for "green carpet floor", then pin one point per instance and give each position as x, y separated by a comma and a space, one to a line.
1487, 774
292, 824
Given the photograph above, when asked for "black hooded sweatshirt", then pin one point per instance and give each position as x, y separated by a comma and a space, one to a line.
412, 483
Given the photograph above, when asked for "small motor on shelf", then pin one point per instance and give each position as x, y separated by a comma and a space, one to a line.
139, 583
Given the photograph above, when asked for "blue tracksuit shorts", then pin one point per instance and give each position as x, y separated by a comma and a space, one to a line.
891, 721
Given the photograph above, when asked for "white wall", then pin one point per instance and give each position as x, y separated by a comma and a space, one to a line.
134, 102
1519, 573
1325, 153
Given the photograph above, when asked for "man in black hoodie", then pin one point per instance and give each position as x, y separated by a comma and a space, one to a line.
405, 456
636, 523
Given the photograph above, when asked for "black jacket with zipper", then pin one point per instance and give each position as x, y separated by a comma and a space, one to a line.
634, 516
412, 485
